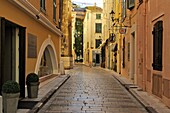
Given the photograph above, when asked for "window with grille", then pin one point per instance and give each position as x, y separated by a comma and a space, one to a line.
98, 27
123, 10
54, 10
123, 63
128, 51
42, 5
157, 45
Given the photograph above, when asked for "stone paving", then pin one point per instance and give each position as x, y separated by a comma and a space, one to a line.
92, 90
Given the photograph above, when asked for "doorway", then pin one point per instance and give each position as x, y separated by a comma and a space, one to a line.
46, 67
97, 58
12, 54
132, 57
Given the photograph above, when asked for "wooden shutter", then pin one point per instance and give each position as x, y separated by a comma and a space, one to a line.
157, 46
123, 63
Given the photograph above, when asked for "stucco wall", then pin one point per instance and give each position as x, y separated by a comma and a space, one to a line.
159, 11
16, 15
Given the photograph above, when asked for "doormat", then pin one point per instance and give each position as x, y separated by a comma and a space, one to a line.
26, 104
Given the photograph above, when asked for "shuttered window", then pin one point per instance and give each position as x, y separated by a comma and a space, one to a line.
42, 5
98, 27
54, 10
123, 63
157, 45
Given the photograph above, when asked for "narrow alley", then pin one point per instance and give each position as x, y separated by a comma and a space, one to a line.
92, 90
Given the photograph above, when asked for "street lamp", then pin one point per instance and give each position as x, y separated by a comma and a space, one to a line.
112, 37
112, 17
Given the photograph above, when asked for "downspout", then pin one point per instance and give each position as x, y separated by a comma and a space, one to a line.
144, 49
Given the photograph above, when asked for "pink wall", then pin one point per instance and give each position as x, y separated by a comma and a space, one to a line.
159, 10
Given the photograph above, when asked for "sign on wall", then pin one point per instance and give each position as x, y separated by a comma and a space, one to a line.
32, 46
122, 30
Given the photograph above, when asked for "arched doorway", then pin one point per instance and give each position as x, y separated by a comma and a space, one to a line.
47, 59
46, 67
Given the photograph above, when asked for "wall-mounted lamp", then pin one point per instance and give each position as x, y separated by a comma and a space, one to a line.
112, 38
112, 16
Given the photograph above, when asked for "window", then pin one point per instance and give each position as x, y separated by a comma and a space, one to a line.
130, 4
54, 10
157, 45
87, 44
98, 27
98, 16
98, 42
140, 1
87, 16
123, 10
128, 51
42, 5
123, 64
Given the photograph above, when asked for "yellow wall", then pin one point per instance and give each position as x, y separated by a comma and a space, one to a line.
49, 9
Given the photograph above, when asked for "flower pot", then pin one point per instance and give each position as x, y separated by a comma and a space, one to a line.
10, 102
32, 89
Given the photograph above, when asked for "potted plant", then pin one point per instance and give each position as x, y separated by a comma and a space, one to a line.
10, 95
32, 82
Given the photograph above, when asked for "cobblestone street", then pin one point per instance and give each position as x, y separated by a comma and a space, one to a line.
92, 90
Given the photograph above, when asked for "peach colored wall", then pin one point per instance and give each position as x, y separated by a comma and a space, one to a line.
159, 10
16, 15
129, 21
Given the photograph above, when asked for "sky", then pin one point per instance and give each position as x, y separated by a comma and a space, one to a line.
84, 3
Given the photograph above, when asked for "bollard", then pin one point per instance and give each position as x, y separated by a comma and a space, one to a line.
26, 93
62, 71
0, 104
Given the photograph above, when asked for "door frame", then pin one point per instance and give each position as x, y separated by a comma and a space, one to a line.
22, 49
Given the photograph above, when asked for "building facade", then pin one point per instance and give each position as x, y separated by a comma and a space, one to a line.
157, 52
78, 15
66, 43
144, 46
129, 42
29, 40
92, 35
111, 47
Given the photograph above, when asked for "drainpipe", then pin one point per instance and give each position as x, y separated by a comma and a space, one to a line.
144, 49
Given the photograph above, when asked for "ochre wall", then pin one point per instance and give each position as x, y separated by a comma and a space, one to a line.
16, 15
49, 9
